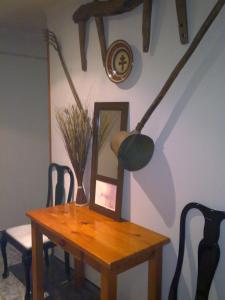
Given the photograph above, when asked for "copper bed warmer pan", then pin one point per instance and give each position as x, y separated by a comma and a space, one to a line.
133, 149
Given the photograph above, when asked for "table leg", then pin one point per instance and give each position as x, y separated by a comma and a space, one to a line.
155, 275
37, 263
108, 285
79, 273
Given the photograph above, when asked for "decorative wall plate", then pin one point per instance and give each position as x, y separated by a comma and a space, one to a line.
119, 61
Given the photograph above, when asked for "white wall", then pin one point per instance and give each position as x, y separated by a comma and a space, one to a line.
23, 125
188, 127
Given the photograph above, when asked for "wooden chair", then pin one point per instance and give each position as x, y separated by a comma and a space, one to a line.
208, 251
20, 236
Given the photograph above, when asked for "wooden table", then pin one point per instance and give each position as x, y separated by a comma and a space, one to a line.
109, 246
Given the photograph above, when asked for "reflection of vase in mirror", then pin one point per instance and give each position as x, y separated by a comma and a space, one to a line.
108, 126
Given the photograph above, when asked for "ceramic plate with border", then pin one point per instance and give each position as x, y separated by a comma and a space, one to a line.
119, 61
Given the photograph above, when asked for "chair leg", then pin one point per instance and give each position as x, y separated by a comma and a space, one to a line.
26, 259
4, 256
46, 257
67, 263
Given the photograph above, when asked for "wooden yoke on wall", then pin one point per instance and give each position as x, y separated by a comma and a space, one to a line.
182, 20
99, 10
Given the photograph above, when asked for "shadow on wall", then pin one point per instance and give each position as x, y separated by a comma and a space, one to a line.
126, 199
139, 276
171, 262
158, 14
156, 179
157, 183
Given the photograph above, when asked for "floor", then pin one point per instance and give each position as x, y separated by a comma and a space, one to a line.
56, 284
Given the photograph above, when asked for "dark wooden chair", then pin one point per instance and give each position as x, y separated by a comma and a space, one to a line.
208, 251
20, 236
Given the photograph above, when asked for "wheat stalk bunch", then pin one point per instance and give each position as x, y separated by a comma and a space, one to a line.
76, 132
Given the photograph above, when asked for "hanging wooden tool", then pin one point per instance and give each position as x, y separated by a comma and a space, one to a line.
82, 37
53, 41
99, 10
101, 35
182, 20
134, 150
146, 24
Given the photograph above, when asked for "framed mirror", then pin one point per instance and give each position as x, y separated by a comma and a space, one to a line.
106, 171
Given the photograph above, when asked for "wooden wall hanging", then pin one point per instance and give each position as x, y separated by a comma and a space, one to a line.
53, 41
134, 150
182, 20
99, 9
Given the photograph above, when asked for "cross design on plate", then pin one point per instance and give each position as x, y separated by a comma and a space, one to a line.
122, 62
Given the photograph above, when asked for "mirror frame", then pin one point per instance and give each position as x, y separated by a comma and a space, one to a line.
107, 106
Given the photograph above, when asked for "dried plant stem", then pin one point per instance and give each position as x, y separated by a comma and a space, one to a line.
76, 131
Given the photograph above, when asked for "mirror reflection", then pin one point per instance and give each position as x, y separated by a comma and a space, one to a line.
106, 172
108, 125
105, 195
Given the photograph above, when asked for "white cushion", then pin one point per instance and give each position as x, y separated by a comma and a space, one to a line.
22, 234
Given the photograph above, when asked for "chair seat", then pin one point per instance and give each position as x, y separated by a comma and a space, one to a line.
21, 237
22, 234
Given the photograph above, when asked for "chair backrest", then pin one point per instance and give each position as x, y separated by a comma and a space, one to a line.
208, 251
59, 192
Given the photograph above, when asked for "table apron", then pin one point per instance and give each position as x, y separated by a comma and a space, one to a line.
74, 250
67, 246
116, 267
132, 261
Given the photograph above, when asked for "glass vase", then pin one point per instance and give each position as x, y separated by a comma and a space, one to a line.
81, 199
